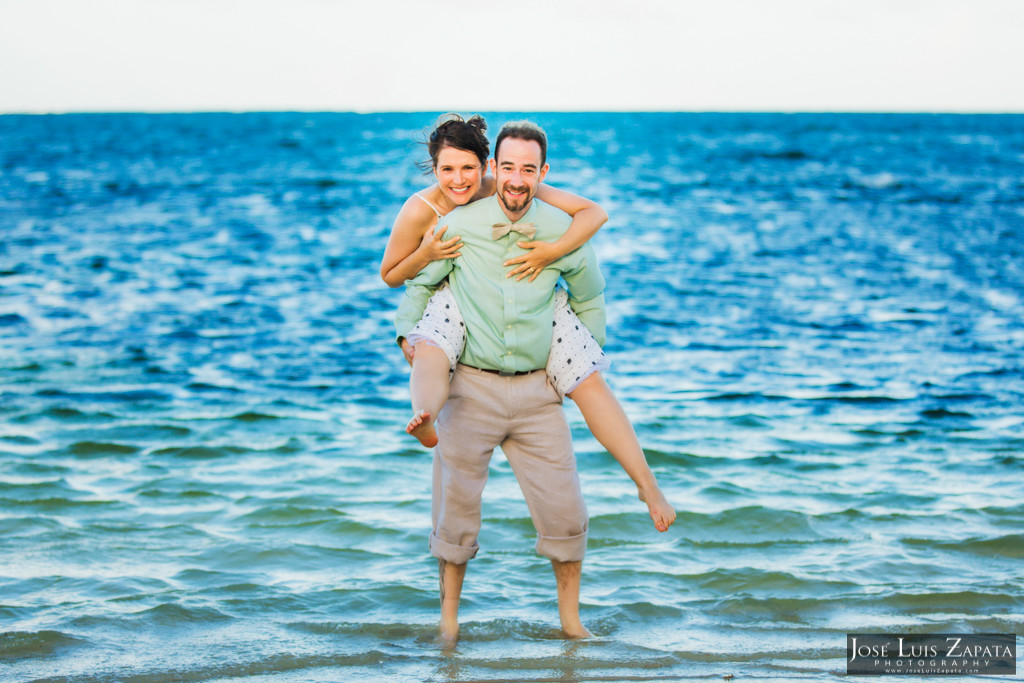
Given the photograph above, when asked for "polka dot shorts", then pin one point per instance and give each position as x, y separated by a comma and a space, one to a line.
574, 355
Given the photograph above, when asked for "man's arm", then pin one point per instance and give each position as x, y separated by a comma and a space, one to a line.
586, 290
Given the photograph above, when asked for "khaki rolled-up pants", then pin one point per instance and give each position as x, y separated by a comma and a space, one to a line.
522, 414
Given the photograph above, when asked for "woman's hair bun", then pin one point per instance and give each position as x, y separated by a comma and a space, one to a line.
452, 130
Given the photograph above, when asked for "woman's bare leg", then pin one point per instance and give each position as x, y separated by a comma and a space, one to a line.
611, 427
428, 385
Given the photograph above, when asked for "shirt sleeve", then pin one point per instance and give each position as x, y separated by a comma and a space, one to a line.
417, 293
586, 291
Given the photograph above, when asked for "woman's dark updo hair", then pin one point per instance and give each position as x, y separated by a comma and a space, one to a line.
451, 130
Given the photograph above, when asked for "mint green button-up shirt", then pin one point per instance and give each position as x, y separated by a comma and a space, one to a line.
508, 322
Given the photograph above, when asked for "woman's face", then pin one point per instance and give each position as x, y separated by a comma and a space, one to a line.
459, 174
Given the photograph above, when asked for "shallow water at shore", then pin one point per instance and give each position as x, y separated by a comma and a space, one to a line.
815, 324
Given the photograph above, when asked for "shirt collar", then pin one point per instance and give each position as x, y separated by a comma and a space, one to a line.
498, 215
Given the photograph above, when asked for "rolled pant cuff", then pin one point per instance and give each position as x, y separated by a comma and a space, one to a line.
449, 552
565, 549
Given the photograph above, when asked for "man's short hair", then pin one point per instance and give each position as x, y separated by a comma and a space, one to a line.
523, 130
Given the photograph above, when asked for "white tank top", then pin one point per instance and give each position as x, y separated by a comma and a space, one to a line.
427, 202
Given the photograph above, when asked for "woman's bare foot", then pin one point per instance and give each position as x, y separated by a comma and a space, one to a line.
422, 427
661, 511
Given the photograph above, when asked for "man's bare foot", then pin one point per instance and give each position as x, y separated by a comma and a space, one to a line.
661, 511
422, 427
576, 631
449, 633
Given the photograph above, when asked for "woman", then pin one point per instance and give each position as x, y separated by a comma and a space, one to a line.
458, 154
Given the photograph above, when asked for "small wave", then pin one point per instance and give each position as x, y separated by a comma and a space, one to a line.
254, 417
74, 414
12, 320
754, 524
639, 611
295, 515
1011, 545
724, 489
787, 154
657, 457
379, 631
902, 434
15, 527
98, 448
285, 556
205, 386
204, 578
130, 396
941, 413
754, 156
964, 397
999, 372
1009, 514
746, 396
747, 580
771, 460
967, 601
170, 614
148, 490
22, 644
749, 421
291, 446
144, 432
19, 269
862, 400
19, 440
60, 503
201, 452
751, 608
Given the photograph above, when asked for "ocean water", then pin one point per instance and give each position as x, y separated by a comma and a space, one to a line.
816, 323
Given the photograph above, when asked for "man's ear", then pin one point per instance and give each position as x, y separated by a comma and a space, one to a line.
543, 172
493, 165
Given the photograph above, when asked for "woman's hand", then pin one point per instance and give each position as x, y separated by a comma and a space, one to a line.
434, 247
541, 255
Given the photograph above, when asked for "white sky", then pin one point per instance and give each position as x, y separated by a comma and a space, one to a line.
570, 55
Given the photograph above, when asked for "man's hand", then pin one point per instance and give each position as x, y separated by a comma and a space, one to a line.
541, 255
434, 247
408, 350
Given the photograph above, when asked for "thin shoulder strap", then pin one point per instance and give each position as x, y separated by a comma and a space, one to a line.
427, 202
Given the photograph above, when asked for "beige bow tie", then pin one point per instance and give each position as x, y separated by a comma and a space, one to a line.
499, 230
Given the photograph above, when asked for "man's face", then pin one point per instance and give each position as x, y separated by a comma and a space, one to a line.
517, 174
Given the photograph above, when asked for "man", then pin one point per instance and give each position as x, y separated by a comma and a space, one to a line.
500, 394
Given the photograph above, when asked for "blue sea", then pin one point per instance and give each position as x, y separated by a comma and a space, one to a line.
816, 324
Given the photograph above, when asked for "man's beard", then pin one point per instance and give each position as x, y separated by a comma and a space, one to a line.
515, 208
